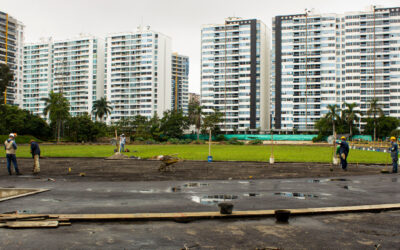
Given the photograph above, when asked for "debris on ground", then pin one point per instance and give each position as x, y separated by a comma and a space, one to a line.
167, 162
50, 179
117, 156
82, 174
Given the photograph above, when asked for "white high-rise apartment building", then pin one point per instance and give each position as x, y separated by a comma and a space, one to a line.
38, 75
330, 59
78, 69
138, 73
235, 73
11, 52
180, 83
74, 67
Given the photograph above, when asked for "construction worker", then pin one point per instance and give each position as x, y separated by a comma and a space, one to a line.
35, 151
10, 147
344, 152
394, 153
122, 141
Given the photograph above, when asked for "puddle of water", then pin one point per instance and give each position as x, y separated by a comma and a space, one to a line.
50, 200
300, 196
195, 184
213, 199
326, 180
353, 188
252, 194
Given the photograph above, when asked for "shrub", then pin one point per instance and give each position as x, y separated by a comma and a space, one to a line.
150, 141
319, 138
173, 141
235, 141
220, 138
187, 141
19, 139
256, 142
139, 139
199, 142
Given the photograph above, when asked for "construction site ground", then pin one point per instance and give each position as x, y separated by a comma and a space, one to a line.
94, 185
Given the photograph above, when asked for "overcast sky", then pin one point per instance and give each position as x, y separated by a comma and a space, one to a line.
179, 19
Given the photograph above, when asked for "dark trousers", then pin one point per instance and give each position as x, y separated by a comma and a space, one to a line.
13, 159
394, 163
343, 162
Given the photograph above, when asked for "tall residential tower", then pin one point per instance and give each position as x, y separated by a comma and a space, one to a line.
330, 59
235, 76
11, 52
138, 73
180, 83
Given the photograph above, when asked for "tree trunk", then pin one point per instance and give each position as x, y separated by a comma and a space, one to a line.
351, 129
374, 127
58, 130
198, 133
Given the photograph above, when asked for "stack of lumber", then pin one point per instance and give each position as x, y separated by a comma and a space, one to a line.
31, 221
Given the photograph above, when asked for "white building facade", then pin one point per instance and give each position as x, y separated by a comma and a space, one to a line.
235, 73
138, 74
180, 83
329, 59
73, 66
11, 53
37, 75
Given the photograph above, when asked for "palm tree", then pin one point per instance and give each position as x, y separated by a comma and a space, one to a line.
6, 77
375, 109
57, 106
351, 115
332, 116
195, 116
101, 108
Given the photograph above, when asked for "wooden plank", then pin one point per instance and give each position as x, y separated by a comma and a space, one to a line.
211, 215
34, 191
32, 224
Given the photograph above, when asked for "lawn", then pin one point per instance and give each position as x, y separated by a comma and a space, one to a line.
282, 153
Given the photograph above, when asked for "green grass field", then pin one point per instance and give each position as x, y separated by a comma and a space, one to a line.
282, 153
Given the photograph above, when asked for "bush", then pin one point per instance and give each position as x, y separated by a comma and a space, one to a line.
199, 142
188, 141
173, 141
139, 139
220, 138
235, 141
319, 138
256, 142
150, 141
19, 139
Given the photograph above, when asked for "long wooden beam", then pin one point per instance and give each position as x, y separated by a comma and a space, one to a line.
209, 215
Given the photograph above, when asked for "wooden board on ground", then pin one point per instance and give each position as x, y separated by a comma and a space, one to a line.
31, 224
211, 215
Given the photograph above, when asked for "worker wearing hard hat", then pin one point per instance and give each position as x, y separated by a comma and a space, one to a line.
343, 152
10, 147
394, 153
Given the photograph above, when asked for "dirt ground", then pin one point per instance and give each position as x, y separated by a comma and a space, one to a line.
96, 169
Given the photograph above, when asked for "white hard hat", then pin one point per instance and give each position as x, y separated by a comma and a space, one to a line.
12, 135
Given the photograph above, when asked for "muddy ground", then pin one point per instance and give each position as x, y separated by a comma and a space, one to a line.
97, 169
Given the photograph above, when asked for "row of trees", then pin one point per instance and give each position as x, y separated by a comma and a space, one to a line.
347, 120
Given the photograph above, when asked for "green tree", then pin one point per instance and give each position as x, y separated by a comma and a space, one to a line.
195, 116
333, 116
351, 115
211, 121
101, 108
57, 106
6, 77
375, 110
173, 123
82, 128
14, 119
385, 126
